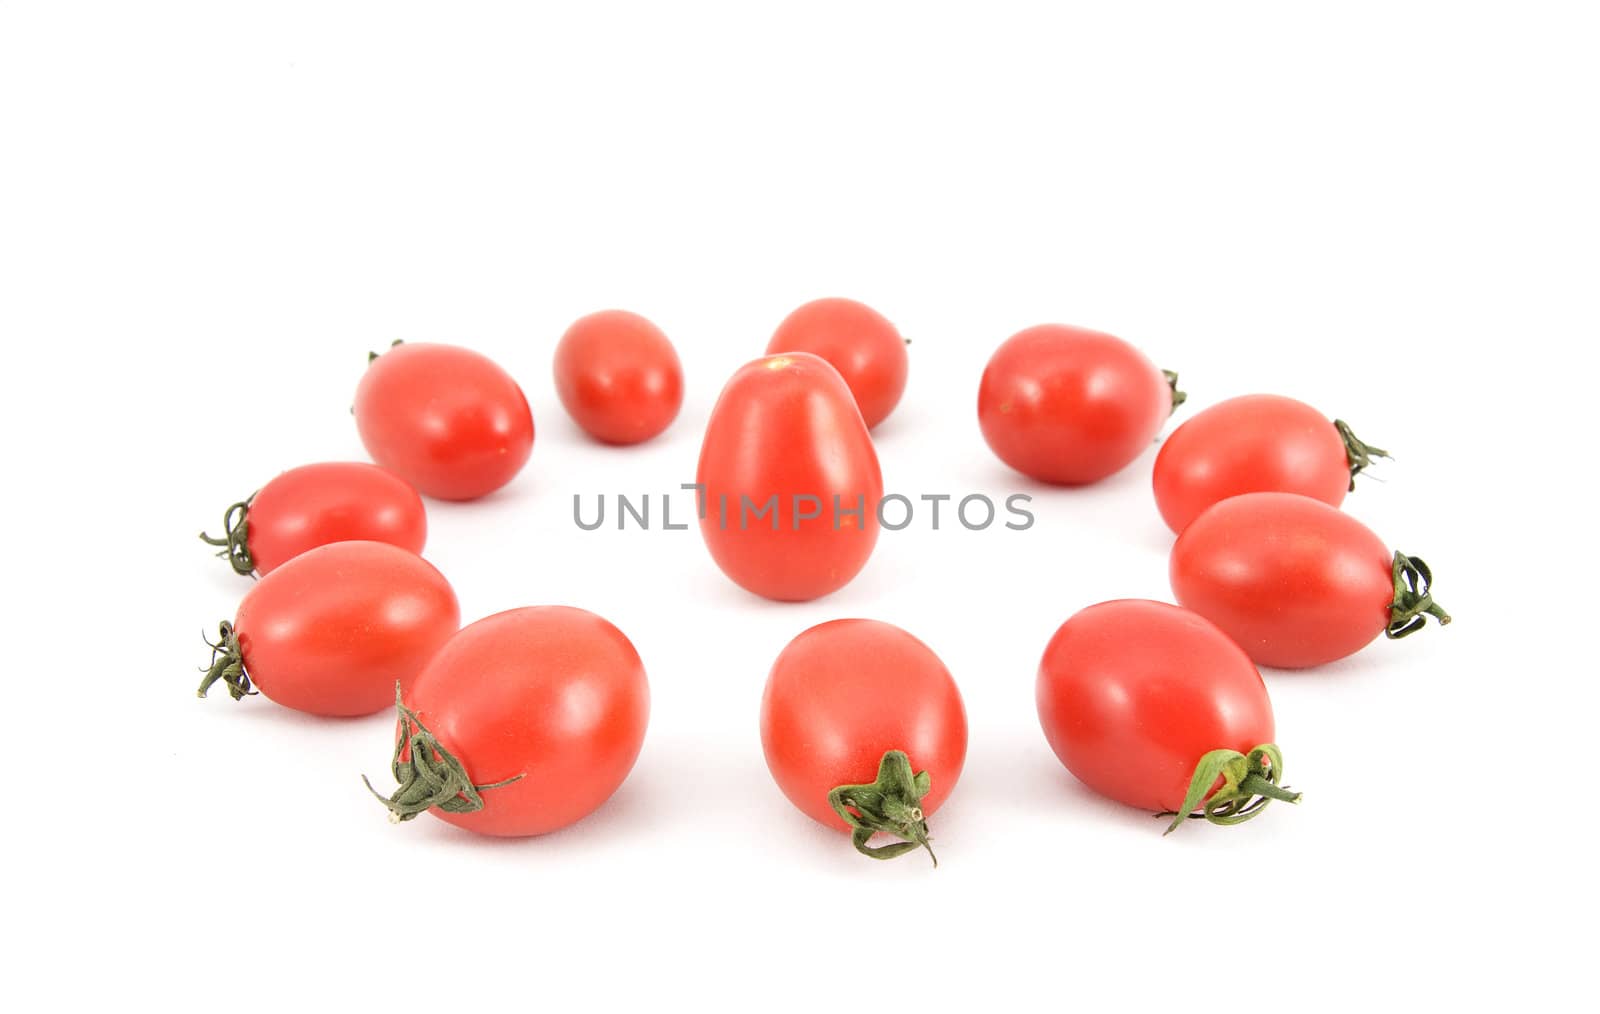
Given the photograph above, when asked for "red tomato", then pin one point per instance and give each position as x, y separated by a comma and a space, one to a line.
842, 700
1068, 405
445, 419
331, 631
618, 377
1150, 705
786, 438
1297, 583
1256, 444
313, 505
523, 723
857, 341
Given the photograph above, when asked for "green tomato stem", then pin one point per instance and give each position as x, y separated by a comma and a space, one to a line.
1359, 454
227, 664
1178, 397
429, 775
1249, 783
1413, 598
892, 805
236, 540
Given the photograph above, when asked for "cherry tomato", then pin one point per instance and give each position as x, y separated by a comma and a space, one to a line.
789, 480
445, 419
1255, 444
523, 723
313, 505
858, 342
331, 631
1068, 405
618, 377
1297, 583
1151, 705
864, 731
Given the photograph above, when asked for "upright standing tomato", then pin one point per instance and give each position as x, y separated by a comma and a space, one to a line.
331, 631
789, 480
445, 419
1153, 706
618, 377
523, 723
1297, 583
857, 341
313, 505
864, 730
1259, 443
1068, 405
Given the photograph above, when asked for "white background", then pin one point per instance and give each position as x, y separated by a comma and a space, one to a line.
210, 212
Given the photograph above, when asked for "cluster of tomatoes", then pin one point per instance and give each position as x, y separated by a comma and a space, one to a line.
527, 720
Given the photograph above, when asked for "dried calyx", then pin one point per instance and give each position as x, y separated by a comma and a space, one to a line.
429, 775
1249, 783
891, 805
1359, 454
236, 538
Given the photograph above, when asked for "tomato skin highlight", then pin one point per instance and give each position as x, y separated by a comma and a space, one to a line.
555, 694
786, 426
1252, 444
334, 501
446, 419
1295, 582
1132, 693
856, 340
1070, 406
618, 376
330, 631
843, 693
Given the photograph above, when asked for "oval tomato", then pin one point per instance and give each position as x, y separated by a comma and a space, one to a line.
523, 723
1257, 443
857, 341
864, 730
332, 630
314, 505
1070, 406
445, 419
618, 377
789, 480
1151, 705
1296, 582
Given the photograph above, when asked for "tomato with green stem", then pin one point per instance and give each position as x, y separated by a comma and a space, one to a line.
1151, 705
864, 730
446, 419
1257, 443
1296, 582
856, 340
314, 505
333, 629
1070, 406
521, 724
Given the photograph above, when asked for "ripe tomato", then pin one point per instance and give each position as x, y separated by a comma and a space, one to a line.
1297, 583
1151, 705
618, 377
1255, 444
331, 631
445, 419
524, 722
313, 505
789, 480
857, 341
1068, 405
853, 700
